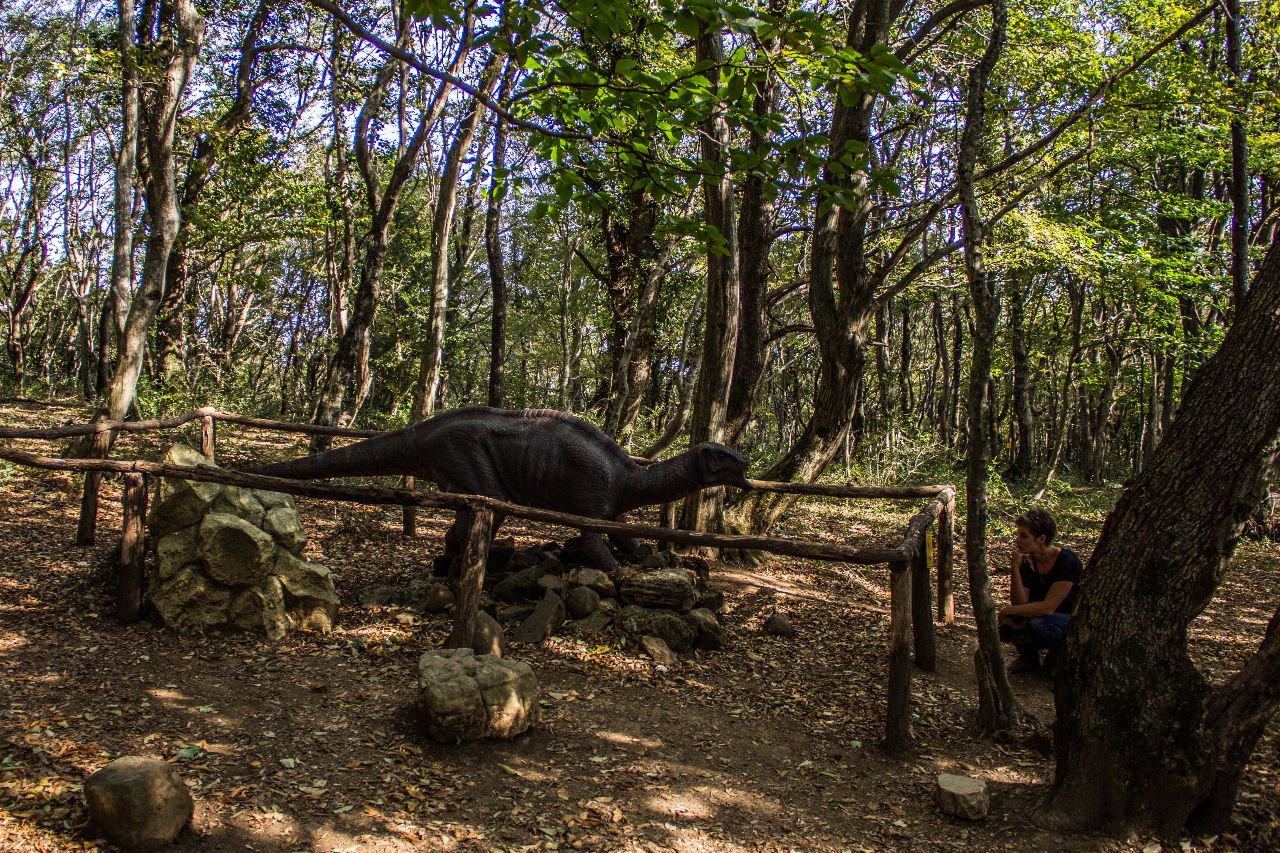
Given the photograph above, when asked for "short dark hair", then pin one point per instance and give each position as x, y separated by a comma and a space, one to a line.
1040, 522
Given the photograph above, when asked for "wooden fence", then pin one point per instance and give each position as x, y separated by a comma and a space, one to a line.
911, 608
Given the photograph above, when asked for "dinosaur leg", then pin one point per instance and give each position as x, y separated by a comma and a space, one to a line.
597, 553
626, 544
454, 540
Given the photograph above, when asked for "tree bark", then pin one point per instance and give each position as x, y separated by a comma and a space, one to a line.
1144, 743
1023, 458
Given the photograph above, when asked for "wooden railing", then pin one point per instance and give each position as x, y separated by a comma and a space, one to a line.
911, 612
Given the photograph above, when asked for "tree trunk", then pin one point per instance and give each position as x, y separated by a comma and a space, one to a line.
493, 252
1144, 743
1023, 458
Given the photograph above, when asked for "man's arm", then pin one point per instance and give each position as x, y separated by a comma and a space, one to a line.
1017, 592
1057, 594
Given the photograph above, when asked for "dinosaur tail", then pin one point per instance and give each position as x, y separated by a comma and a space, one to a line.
380, 455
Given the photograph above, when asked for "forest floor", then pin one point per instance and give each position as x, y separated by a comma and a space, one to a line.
306, 744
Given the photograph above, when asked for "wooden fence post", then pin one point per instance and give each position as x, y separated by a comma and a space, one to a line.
897, 725
99, 446
208, 436
667, 519
946, 560
132, 552
924, 639
477, 521
409, 518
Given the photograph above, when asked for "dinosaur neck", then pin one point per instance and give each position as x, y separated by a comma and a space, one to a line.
663, 482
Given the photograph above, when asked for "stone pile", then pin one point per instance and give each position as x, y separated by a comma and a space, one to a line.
659, 595
229, 557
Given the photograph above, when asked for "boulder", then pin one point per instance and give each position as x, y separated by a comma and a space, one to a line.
708, 628
310, 597
488, 638
594, 579
542, 622
233, 551
778, 625
671, 588
261, 609
582, 602
175, 550
636, 622
285, 527
190, 601
180, 503
963, 796
520, 586
241, 503
463, 697
139, 803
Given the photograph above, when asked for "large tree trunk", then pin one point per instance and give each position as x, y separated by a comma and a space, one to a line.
1144, 744
493, 252
1023, 459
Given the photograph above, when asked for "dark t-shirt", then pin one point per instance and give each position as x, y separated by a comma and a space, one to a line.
1066, 568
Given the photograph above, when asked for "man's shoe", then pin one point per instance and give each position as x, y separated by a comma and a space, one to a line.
1024, 664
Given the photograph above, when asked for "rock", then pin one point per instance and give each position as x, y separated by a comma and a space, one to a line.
462, 696
139, 803
963, 796
429, 596
190, 601
180, 503
712, 599
526, 559
261, 610
657, 648
778, 625
233, 551
662, 560
595, 623
241, 503
175, 550
708, 628
594, 579
582, 602
310, 596
671, 588
542, 622
285, 527
637, 622
271, 500
488, 638
514, 613
500, 553
553, 583
521, 586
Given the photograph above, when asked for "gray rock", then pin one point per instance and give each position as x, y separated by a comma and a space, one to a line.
778, 625
712, 599
233, 551
657, 648
175, 550
542, 622
239, 502
310, 597
488, 638
582, 602
190, 601
430, 596
594, 579
500, 553
514, 613
285, 527
554, 583
261, 610
139, 803
595, 623
526, 559
709, 630
671, 588
180, 503
636, 622
272, 500
521, 586
384, 595
463, 697
963, 796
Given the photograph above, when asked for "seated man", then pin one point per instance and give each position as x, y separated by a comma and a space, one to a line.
1044, 585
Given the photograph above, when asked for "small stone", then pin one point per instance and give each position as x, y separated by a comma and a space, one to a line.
542, 622
595, 623
594, 579
520, 586
488, 638
638, 622
710, 632
582, 602
963, 796
671, 588
139, 803
778, 625
657, 648
514, 613
430, 597
554, 583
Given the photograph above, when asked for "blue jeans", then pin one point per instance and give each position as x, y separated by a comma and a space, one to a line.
1049, 632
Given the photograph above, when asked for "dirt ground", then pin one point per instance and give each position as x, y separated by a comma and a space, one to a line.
770, 744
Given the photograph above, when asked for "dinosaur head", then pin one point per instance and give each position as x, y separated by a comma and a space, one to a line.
719, 465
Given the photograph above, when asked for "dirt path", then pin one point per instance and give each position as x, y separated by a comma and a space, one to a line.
770, 744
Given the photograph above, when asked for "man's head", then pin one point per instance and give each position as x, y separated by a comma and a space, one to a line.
1038, 522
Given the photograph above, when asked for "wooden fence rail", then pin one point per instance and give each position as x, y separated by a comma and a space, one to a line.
910, 609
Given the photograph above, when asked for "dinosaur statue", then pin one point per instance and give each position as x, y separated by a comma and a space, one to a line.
535, 457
